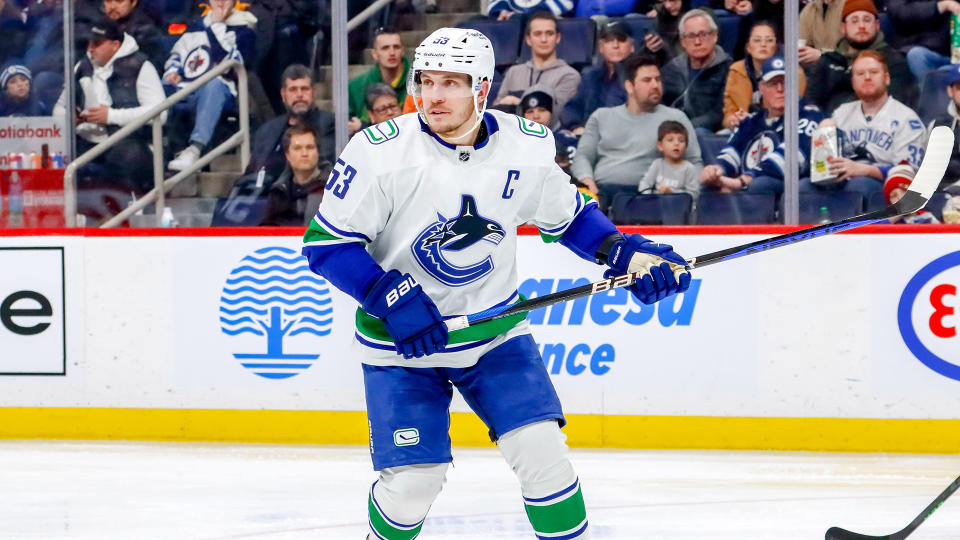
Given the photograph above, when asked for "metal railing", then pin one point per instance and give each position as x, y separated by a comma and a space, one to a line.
161, 186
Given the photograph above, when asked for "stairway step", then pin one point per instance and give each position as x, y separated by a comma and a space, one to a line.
217, 184
192, 205
458, 6
324, 73
432, 21
412, 38
229, 162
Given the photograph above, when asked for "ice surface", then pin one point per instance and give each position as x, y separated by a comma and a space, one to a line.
106, 490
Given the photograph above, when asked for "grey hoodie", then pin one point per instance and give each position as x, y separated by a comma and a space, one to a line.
561, 79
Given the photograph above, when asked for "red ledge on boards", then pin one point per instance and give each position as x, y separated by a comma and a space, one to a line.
523, 231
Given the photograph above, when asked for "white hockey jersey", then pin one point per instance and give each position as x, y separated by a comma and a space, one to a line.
893, 134
448, 216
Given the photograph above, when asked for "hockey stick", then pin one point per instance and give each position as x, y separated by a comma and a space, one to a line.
936, 158
836, 533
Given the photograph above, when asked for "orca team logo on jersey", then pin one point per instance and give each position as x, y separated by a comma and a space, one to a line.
453, 238
929, 315
759, 148
273, 296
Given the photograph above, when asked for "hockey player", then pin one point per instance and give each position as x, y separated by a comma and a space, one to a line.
418, 223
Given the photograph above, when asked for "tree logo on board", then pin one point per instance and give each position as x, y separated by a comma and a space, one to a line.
270, 299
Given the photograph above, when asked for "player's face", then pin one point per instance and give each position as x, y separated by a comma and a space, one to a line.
542, 37
448, 102
672, 145
538, 115
615, 48
870, 79
773, 94
297, 95
18, 87
384, 108
860, 27
646, 88
388, 50
697, 38
303, 153
762, 43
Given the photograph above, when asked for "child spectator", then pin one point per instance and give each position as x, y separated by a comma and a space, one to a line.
17, 99
671, 173
537, 105
951, 118
896, 186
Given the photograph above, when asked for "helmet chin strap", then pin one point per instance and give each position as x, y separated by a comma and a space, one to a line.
479, 115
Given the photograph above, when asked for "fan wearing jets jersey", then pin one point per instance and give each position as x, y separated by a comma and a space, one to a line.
418, 223
878, 131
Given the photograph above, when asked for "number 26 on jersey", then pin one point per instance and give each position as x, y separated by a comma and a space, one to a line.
340, 178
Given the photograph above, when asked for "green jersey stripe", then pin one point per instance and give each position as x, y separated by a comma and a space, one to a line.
373, 329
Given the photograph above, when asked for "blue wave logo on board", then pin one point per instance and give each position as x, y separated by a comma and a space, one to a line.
273, 294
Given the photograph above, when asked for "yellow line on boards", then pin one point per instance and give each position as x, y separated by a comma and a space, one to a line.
583, 430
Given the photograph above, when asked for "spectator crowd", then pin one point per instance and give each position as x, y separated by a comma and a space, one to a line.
682, 97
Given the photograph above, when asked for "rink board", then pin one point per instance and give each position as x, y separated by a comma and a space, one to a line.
843, 343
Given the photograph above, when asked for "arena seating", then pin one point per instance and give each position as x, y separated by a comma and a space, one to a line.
669, 209
735, 208
506, 37
578, 39
839, 205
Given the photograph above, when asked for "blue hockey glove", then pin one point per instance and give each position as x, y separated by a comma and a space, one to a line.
411, 317
635, 253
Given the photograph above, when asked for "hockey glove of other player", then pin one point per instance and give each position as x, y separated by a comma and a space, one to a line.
635, 253
411, 317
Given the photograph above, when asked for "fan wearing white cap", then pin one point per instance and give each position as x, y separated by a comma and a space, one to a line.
418, 223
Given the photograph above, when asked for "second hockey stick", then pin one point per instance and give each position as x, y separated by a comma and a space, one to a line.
937, 156
836, 533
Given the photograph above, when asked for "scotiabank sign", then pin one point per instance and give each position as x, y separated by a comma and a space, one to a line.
929, 315
32, 309
28, 134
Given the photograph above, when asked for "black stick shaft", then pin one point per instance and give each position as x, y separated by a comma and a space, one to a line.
836, 533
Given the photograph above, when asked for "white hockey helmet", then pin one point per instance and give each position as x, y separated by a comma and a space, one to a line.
459, 50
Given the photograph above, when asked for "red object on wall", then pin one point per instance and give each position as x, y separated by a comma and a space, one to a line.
42, 197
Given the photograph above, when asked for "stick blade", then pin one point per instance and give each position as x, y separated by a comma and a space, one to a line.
934, 164
836, 533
